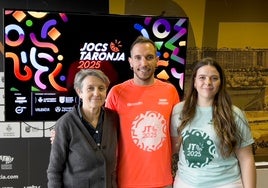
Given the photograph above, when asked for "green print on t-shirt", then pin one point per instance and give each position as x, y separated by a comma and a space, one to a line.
198, 148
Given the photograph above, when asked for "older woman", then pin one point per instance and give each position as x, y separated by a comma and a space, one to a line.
83, 153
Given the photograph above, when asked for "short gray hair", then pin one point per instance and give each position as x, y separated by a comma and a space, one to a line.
83, 73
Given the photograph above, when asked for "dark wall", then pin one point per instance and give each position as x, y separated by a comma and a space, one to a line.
100, 6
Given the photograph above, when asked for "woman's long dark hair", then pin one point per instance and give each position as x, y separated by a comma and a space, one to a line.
223, 119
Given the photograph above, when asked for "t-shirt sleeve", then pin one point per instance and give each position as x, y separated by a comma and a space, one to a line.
176, 95
175, 120
243, 127
110, 101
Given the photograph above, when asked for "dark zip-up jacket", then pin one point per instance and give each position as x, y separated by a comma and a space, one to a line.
75, 159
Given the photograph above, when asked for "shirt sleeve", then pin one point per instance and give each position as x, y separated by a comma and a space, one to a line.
110, 99
175, 119
243, 127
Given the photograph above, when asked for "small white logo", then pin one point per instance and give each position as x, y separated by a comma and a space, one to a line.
7, 159
20, 109
20, 100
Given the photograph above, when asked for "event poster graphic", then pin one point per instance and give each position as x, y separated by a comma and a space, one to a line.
44, 50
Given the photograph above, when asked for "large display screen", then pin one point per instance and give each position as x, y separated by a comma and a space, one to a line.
44, 50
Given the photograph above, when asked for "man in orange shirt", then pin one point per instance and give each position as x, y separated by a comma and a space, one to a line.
144, 105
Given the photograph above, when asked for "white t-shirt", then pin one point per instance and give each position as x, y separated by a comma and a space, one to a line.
200, 162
